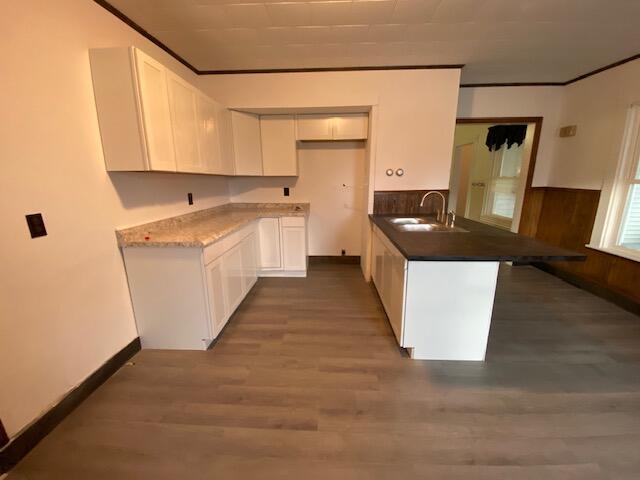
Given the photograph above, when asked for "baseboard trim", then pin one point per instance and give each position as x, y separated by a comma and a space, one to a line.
342, 259
591, 287
26, 440
282, 273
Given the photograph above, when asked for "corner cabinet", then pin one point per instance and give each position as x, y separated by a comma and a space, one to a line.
184, 296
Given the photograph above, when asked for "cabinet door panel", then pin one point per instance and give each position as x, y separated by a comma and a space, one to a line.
184, 122
314, 127
216, 289
232, 274
227, 154
270, 253
209, 135
246, 143
156, 118
351, 126
279, 153
249, 264
294, 248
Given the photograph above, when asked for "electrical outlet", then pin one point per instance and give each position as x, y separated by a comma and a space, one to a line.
36, 225
190, 198
344, 252
286, 191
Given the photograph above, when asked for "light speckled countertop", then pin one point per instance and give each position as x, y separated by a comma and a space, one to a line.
201, 228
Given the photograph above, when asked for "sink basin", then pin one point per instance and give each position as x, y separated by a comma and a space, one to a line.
407, 220
428, 227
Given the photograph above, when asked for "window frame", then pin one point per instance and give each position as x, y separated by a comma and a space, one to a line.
607, 237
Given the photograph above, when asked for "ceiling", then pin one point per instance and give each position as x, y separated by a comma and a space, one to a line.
497, 40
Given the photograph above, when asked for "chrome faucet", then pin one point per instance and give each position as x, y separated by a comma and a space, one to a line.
441, 215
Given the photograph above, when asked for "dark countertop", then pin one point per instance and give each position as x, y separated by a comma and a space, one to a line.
481, 243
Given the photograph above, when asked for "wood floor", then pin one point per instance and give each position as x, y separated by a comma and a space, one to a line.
307, 383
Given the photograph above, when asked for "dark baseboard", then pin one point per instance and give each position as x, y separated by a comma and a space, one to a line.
343, 259
4, 438
29, 438
591, 287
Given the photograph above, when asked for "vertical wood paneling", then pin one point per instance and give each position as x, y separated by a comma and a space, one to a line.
566, 217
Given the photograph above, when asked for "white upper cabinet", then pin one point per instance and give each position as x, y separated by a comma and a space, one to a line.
185, 123
225, 129
209, 135
314, 127
348, 126
246, 143
156, 116
352, 126
278, 138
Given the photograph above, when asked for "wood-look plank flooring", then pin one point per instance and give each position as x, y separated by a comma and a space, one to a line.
307, 383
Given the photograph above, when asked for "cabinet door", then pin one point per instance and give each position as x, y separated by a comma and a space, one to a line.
377, 257
216, 290
270, 253
209, 135
246, 143
279, 153
294, 248
184, 123
314, 127
352, 126
397, 277
249, 263
232, 275
156, 118
227, 154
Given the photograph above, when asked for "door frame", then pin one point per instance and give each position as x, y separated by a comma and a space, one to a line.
527, 200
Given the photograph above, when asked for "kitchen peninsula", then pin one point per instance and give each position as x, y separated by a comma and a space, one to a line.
437, 283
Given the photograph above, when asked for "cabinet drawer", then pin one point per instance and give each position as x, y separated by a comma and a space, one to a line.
292, 221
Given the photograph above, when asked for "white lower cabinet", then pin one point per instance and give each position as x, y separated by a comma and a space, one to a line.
283, 247
183, 297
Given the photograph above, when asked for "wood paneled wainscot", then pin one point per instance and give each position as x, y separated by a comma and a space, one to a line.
565, 217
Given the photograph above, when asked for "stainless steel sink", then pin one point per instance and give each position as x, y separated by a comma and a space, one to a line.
420, 224
429, 227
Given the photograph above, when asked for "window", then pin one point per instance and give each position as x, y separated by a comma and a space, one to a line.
503, 184
620, 232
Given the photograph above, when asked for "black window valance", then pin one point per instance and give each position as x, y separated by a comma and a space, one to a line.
500, 134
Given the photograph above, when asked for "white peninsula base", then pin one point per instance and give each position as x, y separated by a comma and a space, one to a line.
439, 310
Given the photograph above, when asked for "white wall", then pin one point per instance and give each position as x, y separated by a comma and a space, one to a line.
336, 210
64, 302
415, 120
598, 105
546, 102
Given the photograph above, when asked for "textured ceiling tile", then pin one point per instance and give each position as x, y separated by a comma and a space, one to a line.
278, 35
387, 33
314, 34
331, 13
457, 11
231, 36
372, 11
349, 33
414, 11
290, 13
248, 15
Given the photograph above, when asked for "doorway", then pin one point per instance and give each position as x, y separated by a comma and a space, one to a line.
491, 169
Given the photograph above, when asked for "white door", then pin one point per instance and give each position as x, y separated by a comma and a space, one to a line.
184, 122
270, 252
314, 127
232, 275
249, 264
294, 251
246, 143
216, 290
279, 153
156, 118
209, 135
225, 128
352, 126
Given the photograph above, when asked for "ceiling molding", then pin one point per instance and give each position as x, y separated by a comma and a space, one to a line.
331, 69
113, 10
